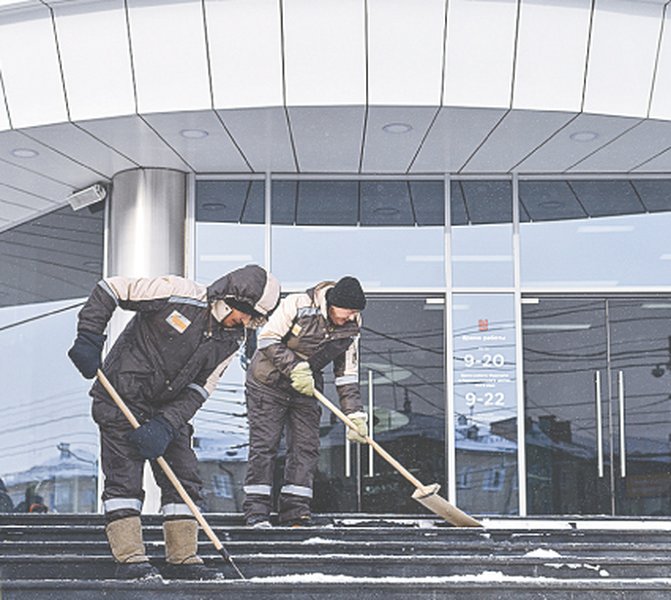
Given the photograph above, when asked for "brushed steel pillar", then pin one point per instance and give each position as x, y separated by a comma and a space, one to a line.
147, 223
145, 238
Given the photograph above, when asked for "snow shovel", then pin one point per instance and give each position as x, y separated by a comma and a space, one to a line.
424, 494
170, 475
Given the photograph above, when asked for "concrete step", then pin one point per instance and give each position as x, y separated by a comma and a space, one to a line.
372, 558
485, 586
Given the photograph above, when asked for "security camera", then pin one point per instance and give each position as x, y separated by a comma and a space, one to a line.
90, 195
658, 371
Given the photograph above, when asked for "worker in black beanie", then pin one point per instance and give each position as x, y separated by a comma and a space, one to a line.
347, 293
308, 331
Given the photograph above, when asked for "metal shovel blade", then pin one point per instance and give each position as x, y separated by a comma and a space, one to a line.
428, 496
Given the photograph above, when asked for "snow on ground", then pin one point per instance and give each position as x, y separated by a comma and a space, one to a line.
483, 577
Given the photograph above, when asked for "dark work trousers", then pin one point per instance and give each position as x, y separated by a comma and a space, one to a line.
270, 412
123, 468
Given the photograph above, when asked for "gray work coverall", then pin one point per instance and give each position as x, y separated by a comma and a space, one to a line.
299, 330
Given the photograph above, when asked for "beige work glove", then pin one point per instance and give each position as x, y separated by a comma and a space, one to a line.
360, 420
302, 379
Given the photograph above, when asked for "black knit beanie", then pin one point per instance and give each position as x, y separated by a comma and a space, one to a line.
347, 293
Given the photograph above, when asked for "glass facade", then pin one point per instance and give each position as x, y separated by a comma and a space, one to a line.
48, 442
514, 348
576, 248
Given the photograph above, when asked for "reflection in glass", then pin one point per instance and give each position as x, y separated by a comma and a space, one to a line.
587, 357
229, 227
565, 387
364, 228
48, 441
221, 441
485, 405
377, 203
230, 201
604, 197
380, 257
640, 355
56, 256
482, 250
402, 352
606, 252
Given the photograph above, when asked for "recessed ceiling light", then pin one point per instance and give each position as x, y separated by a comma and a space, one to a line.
194, 134
213, 206
24, 153
397, 128
386, 211
584, 136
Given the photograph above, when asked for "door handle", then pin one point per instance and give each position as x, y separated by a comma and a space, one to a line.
371, 454
599, 425
620, 398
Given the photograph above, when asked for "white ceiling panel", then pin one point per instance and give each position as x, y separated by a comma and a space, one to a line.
30, 69
11, 212
25, 200
27, 153
514, 138
215, 152
660, 103
96, 67
169, 55
454, 136
81, 146
136, 140
13, 5
263, 136
622, 55
625, 153
245, 52
479, 53
582, 136
551, 54
401, 36
392, 149
33, 182
325, 53
327, 138
659, 164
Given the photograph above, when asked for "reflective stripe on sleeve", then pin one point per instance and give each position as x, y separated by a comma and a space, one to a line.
200, 389
264, 343
346, 379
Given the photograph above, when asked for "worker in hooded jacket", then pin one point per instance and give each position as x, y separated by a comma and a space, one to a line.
165, 364
307, 332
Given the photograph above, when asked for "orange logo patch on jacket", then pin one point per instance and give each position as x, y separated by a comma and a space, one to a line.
178, 321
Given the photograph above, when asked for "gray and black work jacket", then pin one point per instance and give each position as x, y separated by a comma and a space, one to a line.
171, 354
300, 330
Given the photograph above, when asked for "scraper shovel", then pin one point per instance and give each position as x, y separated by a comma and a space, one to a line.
424, 494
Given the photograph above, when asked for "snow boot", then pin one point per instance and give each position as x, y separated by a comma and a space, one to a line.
125, 540
181, 547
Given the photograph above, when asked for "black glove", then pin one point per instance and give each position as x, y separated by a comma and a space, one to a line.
152, 438
86, 352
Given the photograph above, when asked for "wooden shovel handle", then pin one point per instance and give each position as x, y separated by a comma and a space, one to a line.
371, 442
166, 468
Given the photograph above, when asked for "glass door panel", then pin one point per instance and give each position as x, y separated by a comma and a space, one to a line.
640, 330
566, 392
403, 382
